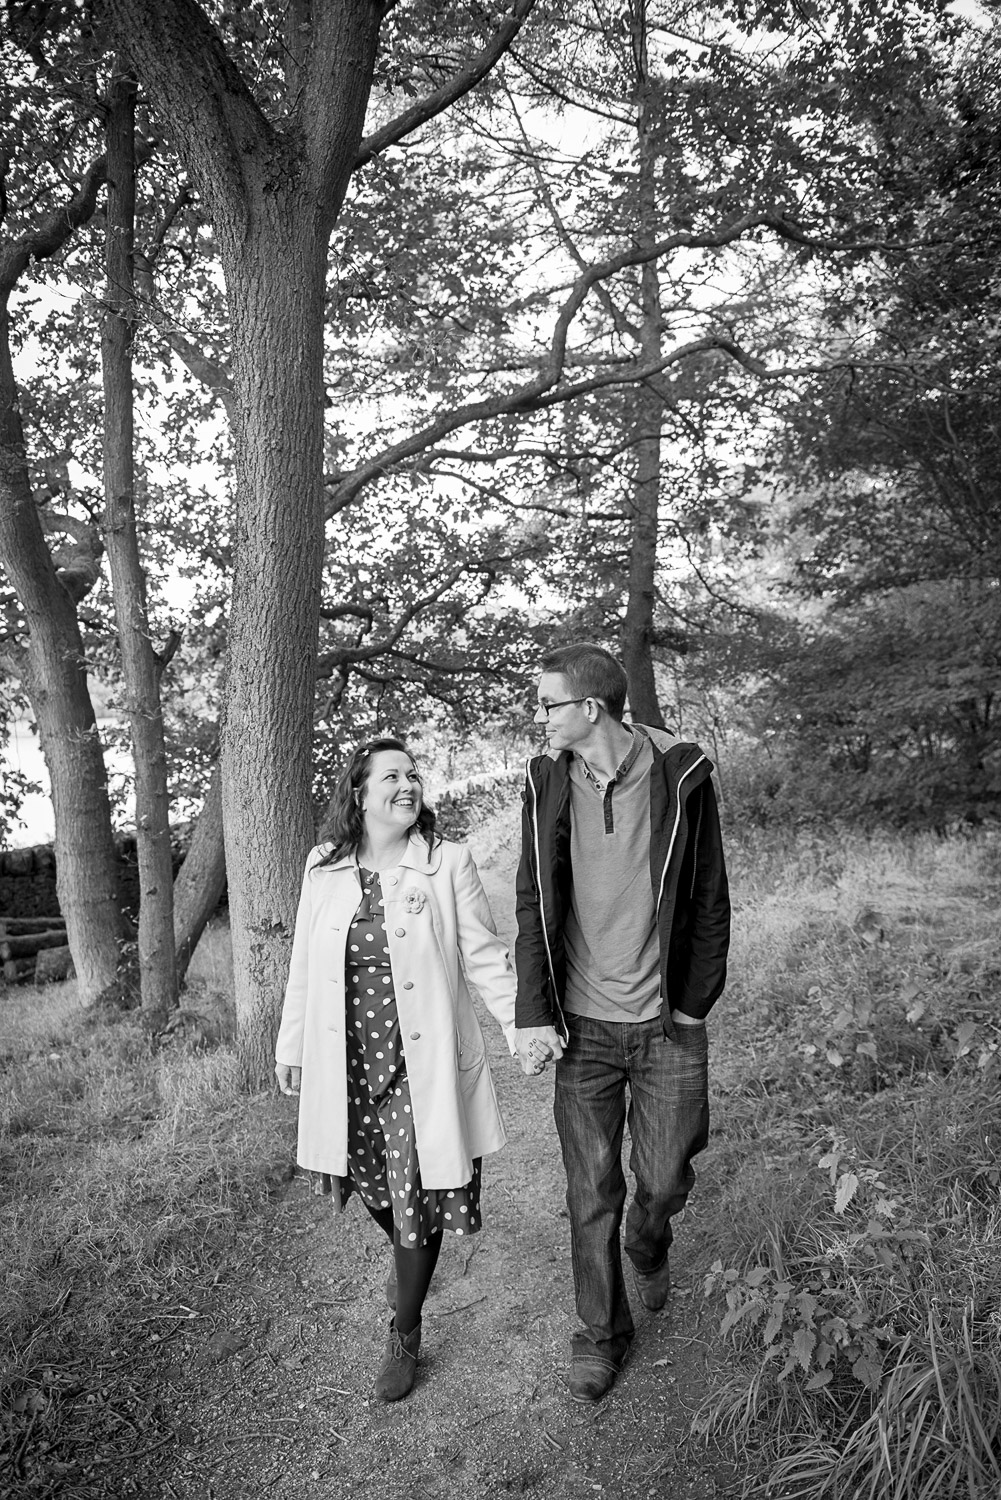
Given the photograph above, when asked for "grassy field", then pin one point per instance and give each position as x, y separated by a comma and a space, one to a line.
846, 1227
858, 1273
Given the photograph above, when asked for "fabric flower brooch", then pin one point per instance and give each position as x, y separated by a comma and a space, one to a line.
413, 899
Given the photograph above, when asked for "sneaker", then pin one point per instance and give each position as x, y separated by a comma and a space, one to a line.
654, 1286
399, 1365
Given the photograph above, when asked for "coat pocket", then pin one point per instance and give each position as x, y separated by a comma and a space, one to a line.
470, 1058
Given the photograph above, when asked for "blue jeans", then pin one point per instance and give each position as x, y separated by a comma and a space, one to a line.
668, 1117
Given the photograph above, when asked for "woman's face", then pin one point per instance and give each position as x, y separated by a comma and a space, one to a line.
391, 794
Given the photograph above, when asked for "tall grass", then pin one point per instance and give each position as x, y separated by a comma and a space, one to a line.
858, 1276
122, 1167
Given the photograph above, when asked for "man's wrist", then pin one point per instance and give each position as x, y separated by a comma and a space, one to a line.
681, 1018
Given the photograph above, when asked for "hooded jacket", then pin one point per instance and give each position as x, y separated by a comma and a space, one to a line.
687, 875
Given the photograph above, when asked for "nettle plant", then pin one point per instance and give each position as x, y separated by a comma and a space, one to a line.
871, 1041
831, 1304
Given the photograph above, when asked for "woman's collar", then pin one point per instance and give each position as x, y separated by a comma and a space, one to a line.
415, 857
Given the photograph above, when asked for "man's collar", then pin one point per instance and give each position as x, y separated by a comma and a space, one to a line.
625, 765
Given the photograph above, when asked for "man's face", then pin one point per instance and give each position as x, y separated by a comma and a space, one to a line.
567, 726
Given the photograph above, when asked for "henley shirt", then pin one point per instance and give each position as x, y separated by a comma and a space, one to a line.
612, 947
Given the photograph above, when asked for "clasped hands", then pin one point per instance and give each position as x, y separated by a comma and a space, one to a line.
537, 1045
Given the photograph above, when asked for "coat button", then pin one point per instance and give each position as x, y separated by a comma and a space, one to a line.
401, 932
415, 1036
408, 984
393, 880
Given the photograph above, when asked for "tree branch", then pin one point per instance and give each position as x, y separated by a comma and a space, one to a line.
329, 661
170, 648
343, 611
459, 84
545, 389
54, 231
178, 53
209, 372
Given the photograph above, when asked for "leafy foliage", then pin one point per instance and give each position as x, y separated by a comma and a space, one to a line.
861, 1296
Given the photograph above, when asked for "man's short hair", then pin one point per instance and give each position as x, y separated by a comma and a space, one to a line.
592, 672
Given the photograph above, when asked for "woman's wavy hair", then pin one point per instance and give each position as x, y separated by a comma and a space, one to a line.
344, 825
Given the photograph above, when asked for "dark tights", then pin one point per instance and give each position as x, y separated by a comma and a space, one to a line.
414, 1270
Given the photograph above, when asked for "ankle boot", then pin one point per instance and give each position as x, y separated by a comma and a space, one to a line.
399, 1366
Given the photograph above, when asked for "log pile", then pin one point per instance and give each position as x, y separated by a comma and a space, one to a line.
34, 949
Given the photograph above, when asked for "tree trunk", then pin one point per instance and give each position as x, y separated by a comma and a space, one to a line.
55, 680
157, 974
636, 636
274, 192
276, 308
202, 877
274, 182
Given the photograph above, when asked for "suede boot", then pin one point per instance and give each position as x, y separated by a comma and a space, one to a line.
399, 1366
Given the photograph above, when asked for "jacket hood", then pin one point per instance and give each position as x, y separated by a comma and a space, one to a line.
662, 739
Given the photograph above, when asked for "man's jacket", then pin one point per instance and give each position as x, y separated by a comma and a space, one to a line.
687, 874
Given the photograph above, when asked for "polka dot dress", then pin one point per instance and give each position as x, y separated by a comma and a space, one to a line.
382, 1147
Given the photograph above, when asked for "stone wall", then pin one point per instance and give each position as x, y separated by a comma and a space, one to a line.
28, 876
28, 882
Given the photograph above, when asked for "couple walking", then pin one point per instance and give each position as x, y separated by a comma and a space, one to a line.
623, 926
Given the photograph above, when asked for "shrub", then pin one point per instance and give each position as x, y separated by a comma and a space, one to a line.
858, 1276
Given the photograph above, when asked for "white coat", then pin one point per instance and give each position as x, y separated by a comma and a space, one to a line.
436, 913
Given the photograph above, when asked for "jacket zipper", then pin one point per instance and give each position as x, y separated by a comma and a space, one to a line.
695, 858
538, 885
674, 831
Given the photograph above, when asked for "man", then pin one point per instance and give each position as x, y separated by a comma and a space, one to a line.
623, 928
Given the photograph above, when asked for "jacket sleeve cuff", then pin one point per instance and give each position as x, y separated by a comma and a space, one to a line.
533, 1015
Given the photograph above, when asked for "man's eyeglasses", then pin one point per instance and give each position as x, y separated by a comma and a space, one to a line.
547, 708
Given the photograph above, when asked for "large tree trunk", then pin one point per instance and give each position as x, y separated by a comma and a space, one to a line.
276, 307
636, 636
202, 877
274, 191
157, 974
274, 195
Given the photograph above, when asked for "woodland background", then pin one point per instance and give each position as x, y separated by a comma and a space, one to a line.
350, 353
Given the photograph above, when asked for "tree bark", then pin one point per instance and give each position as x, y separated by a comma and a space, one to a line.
202, 877
157, 973
55, 676
274, 195
274, 192
636, 635
276, 310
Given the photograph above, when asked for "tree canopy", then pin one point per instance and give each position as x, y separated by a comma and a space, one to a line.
455, 332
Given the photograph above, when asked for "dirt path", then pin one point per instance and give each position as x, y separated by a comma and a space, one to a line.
273, 1393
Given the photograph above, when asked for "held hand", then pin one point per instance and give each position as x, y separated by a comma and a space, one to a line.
288, 1078
536, 1046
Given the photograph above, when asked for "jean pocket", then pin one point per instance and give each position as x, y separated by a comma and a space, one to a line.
696, 1035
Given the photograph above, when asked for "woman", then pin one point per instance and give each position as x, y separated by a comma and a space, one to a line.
378, 1031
